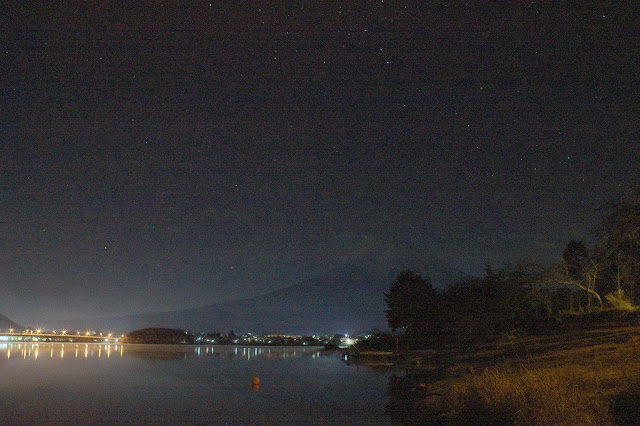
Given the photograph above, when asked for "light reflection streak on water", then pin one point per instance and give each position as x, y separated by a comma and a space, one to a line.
34, 351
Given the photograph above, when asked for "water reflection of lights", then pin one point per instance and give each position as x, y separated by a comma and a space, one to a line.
254, 352
57, 351
37, 351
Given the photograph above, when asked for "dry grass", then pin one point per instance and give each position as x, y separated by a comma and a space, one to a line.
584, 378
526, 397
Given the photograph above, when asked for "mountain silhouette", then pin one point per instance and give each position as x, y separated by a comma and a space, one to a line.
6, 324
346, 299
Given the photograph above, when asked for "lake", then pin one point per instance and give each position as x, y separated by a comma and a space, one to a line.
115, 383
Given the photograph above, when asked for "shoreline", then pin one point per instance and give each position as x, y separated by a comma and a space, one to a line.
583, 376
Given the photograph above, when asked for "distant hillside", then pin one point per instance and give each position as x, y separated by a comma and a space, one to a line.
163, 336
6, 323
348, 299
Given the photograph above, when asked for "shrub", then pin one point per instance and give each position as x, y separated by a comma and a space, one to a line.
618, 300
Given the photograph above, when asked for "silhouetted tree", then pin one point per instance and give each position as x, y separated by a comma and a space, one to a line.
619, 243
575, 258
410, 303
513, 297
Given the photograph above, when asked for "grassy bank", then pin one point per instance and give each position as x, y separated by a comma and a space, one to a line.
574, 377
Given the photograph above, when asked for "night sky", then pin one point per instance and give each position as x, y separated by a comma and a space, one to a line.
170, 155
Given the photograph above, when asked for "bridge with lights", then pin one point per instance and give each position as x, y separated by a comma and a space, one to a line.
52, 336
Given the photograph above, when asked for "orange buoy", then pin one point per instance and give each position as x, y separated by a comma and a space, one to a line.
255, 384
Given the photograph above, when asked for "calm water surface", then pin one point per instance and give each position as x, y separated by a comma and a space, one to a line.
107, 383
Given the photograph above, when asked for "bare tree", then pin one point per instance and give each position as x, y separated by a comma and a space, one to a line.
587, 281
